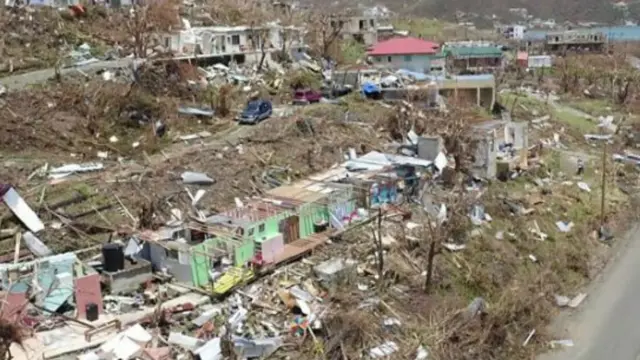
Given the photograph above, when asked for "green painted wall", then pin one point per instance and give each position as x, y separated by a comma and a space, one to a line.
309, 214
200, 265
244, 252
270, 228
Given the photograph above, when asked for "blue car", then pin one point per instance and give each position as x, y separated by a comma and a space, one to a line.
255, 112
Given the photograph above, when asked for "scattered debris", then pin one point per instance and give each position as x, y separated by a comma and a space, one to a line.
195, 178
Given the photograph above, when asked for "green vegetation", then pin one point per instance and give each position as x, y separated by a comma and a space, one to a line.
595, 107
427, 28
352, 51
573, 120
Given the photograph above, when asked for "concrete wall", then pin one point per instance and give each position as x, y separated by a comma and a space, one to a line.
417, 63
485, 97
485, 164
429, 147
159, 258
352, 25
129, 279
518, 134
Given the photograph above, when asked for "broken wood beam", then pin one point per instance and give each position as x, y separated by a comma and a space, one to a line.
16, 253
89, 212
91, 229
8, 233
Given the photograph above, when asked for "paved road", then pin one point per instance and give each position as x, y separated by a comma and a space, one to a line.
17, 82
607, 326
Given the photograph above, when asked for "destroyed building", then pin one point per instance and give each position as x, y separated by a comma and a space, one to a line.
242, 44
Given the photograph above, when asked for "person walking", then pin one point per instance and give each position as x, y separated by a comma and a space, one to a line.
580, 167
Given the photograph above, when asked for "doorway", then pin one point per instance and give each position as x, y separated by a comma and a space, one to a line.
290, 228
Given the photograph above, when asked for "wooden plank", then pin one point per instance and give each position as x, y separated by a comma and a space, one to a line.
16, 253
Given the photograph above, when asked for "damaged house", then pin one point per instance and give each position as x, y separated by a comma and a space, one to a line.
501, 147
242, 44
224, 249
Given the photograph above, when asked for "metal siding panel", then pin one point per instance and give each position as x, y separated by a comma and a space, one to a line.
87, 290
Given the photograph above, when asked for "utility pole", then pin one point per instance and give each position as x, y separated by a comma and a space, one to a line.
604, 178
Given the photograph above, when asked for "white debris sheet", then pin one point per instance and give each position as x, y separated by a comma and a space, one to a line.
22, 210
70, 169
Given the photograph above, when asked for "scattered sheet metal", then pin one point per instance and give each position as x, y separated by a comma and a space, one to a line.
21, 209
210, 351
256, 348
598, 137
195, 178
187, 342
70, 169
35, 245
564, 226
193, 111
384, 350
200, 135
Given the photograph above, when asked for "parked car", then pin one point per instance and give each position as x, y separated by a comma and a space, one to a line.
255, 111
306, 96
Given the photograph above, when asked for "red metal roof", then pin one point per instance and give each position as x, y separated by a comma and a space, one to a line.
404, 46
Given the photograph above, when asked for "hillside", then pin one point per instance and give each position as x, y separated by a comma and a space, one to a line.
561, 10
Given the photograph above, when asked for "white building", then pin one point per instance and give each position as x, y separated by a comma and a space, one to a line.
539, 61
234, 41
515, 32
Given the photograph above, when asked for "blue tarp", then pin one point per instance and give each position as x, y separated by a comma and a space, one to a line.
370, 88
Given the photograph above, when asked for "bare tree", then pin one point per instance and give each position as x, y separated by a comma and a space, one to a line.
450, 223
259, 41
326, 33
146, 21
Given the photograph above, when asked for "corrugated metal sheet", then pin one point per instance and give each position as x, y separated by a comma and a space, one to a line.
54, 277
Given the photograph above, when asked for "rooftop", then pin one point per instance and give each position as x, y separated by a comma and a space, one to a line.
473, 51
252, 212
404, 46
296, 193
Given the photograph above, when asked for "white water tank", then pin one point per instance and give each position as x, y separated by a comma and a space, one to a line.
432, 93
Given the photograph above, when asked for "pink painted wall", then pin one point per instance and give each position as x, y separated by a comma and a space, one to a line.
14, 305
87, 290
272, 247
